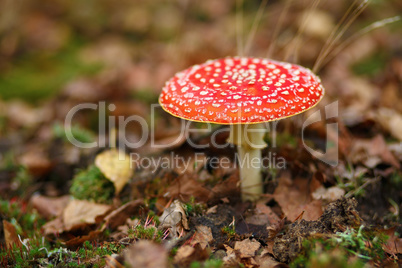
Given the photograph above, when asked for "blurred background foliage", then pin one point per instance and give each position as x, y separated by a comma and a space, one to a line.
137, 45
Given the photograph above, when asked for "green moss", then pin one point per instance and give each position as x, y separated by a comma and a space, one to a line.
192, 208
146, 95
27, 223
212, 263
147, 231
26, 220
371, 65
79, 133
338, 250
92, 185
22, 180
41, 75
90, 251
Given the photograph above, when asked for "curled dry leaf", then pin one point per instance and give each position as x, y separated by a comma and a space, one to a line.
294, 198
231, 259
264, 209
247, 248
390, 120
77, 214
376, 147
320, 23
266, 261
328, 194
21, 114
275, 228
228, 188
50, 206
77, 241
10, 234
185, 186
394, 243
188, 254
81, 212
146, 254
119, 216
36, 161
116, 166
174, 218
203, 236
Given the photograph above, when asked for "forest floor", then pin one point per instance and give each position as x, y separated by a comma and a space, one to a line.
172, 205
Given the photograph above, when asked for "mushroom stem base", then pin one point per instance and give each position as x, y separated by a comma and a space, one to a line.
250, 141
250, 173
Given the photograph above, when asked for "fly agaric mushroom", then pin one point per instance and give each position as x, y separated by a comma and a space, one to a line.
242, 92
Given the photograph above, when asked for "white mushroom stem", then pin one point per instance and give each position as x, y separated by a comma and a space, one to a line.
250, 141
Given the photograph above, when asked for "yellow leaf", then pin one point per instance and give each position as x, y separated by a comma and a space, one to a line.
116, 166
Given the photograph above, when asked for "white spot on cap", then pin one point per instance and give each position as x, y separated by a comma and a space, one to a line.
203, 93
236, 97
285, 92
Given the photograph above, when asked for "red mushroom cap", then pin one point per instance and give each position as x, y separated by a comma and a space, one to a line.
241, 90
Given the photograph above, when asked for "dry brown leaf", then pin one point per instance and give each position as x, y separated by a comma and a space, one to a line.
294, 197
188, 254
262, 208
77, 241
80, 213
247, 248
231, 259
396, 149
36, 161
174, 218
266, 261
328, 194
228, 188
185, 186
391, 121
10, 234
319, 23
116, 166
146, 254
394, 243
53, 227
49, 206
202, 236
375, 147
119, 216
275, 228
21, 114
